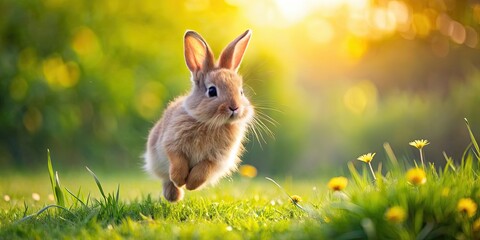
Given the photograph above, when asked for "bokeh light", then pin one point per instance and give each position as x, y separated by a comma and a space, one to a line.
338, 77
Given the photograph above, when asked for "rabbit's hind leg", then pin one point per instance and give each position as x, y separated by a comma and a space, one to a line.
171, 192
178, 169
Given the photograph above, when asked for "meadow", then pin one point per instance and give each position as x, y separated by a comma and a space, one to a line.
401, 200
362, 105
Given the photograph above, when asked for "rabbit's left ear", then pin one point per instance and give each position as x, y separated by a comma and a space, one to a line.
198, 55
232, 55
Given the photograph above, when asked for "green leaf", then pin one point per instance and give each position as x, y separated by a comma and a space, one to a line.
391, 155
474, 141
467, 162
355, 175
99, 185
118, 194
55, 182
59, 196
449, 163
347, 206
50, 173
41, 211
77, 197
58, 191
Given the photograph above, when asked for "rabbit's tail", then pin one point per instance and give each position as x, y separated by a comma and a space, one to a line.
171, 192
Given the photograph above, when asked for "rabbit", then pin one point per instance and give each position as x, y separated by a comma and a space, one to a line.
199, 138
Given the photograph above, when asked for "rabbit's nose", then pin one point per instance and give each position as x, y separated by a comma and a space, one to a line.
233, 109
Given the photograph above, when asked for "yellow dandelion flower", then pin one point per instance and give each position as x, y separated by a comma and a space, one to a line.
476, 226
248, 171
396, 214
36, 197
419, 143
338, 183
295, 199
416, 176
366, 157
6, 198
467, 206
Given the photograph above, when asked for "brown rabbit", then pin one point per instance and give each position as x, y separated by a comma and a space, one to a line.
199, 138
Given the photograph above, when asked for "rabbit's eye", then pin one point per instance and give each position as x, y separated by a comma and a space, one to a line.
212, 91
241, 92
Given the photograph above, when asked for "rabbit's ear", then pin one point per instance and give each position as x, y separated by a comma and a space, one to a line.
198, 55
232, 55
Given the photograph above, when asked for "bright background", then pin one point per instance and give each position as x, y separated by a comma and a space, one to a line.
88, 79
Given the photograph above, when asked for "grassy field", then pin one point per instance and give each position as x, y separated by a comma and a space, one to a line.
404, 202
236, 208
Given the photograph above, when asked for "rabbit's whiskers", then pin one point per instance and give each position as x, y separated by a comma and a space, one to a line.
259, 126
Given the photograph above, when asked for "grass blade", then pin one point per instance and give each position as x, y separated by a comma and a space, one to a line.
99, 185
55, 182
50, 173
58, 191
76, 197
474, 141
25, 206
355, 175
291, 199
449, 163
41, 211
391, 155
88, 199
118, 194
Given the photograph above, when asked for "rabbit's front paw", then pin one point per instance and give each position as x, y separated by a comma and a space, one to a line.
194, 181
199, 174
178, 175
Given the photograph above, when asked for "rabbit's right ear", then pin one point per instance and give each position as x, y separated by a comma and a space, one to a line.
198, 55
232, 55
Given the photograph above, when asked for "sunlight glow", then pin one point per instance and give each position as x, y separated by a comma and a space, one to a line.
323, 19
60, 74
87, 46
85, 42
288, 12
400, 11
358, 24
320, 31
292, 10
384, 19
339, 21
360, 97
354, 48
149, 99
421, 24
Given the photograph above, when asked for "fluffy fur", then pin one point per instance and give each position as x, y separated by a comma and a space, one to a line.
199, 138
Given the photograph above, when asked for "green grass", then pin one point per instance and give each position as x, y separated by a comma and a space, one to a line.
236, 208
129, 206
